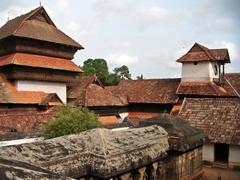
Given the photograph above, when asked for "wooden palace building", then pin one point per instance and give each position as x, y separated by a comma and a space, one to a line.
35, 69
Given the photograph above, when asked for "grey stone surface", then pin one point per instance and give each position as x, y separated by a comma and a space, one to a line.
15, 170
98, 152
182, 137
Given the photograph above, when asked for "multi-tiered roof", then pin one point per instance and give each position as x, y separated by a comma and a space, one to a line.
32, 43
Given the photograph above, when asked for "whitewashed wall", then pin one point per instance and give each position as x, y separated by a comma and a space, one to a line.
234, 154
208, 152
202, 71
49, 87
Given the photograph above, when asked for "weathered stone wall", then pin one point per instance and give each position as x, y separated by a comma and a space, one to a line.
182, 166
100, 152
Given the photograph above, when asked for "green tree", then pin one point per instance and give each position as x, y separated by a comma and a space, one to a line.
98, 67
69, 120
122, 72
140, 77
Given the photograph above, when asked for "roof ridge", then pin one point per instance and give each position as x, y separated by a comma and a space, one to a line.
29, 14
232, 87
206, 50
150, 79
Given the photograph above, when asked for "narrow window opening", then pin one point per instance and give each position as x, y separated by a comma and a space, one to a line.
215, 70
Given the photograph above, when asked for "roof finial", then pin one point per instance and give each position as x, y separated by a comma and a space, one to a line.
40, 3
8, 15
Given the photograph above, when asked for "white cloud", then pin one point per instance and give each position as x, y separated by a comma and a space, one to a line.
109, 8
225, 24
12, 12
121, 59
155, 13
152, 15
121, 45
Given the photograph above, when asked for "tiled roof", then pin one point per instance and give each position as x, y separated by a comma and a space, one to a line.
88, 92
153, 91
98, 153
200, 53
77, 89
108, 120
9, 94
206, 89
30, 26
182, 137
25, 121
234, 80
39, 61
219, 118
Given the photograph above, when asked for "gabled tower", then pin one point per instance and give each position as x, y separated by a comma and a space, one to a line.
36, 56
201, 64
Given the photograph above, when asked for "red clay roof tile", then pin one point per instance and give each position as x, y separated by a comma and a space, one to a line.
219, 118
200, 53
29, 26
33, 60
88, 91
152, 91
234, 80
9, 94
206, 89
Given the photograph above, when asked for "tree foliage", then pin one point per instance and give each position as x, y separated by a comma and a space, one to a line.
100, 68
70, 120
140, 77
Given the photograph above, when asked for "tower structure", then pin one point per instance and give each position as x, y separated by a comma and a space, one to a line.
36, 56
201, 64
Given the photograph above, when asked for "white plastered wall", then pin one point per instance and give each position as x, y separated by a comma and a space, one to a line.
48, 87
234, 154
208, 152
201, 72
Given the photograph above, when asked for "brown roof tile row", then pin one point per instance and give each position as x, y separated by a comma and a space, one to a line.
201, 53
219, 118
206, 89
87, 91
29, 25
154, 91
9, 94
39, 61
25, 122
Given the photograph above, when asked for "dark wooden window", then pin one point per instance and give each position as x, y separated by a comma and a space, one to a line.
221, 152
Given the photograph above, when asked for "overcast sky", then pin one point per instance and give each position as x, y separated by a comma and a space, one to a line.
146, 35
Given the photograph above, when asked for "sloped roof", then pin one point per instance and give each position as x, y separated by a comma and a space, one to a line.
87, 91
154, 91
219, 118
36, 24
234, 80
182, 137
206, 89
9, 94
78, 88
201, 53
21, 170
39, 61
25, 121
101, 153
